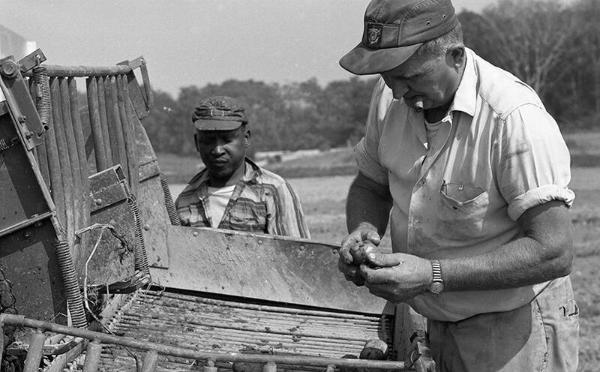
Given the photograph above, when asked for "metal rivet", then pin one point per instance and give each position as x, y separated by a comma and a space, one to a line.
195, 233
98, 201
146, 227
9, 69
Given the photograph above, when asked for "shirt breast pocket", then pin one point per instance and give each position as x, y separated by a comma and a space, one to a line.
462, 211
248, 215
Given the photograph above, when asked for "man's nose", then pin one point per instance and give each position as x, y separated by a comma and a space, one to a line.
218, 149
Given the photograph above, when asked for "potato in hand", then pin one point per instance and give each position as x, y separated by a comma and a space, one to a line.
360, 252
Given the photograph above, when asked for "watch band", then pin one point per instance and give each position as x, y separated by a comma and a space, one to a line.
437, 284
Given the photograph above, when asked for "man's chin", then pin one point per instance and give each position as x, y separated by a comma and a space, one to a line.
220, 174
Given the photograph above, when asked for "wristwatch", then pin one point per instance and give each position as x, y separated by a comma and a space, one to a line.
437, 285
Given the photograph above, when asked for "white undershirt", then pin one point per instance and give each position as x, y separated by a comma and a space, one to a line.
218, 197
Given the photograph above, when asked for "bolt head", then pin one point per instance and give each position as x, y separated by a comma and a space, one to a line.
9, 69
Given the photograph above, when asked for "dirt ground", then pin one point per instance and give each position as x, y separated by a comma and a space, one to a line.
323, 201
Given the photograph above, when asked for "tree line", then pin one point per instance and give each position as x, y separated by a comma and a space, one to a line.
552, 46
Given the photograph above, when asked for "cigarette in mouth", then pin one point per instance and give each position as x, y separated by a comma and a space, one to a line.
419, 104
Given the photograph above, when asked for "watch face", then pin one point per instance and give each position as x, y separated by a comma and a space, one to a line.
436, 287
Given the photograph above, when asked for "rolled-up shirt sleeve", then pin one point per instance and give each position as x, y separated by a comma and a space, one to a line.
534, 161
367, 150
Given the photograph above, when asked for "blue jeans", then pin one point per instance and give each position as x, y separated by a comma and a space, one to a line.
540, 336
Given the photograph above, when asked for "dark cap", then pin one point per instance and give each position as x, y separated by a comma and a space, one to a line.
219, 113
394, 30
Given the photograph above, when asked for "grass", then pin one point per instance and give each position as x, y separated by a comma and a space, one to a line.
583, 142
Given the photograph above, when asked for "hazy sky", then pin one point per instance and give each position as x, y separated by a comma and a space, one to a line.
195, 42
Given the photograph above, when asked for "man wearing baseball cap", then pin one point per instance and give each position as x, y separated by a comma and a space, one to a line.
471, 172
232, 192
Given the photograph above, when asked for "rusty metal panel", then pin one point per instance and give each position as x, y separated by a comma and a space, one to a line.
27, 257
35, 259
107, 188
22, 197
153, 212
113, 260
28, 260
155, 222
262, 267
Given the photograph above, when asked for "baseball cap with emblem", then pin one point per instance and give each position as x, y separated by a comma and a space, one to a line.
219, 113
394, 30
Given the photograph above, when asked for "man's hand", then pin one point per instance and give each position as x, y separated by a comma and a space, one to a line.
354, 250
397, 277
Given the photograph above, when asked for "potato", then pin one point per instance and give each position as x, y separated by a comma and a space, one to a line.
359, 252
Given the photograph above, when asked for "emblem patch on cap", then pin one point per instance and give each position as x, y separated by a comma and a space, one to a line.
374, 31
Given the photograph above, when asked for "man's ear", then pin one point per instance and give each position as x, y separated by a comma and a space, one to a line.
247, 137
196, 140
456, 56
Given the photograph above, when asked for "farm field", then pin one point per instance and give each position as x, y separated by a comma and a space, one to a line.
323, 200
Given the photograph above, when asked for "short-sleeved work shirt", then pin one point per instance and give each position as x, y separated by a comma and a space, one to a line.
501, 153
261, 202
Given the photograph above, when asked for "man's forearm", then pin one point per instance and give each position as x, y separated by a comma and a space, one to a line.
515, 264
368, 204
